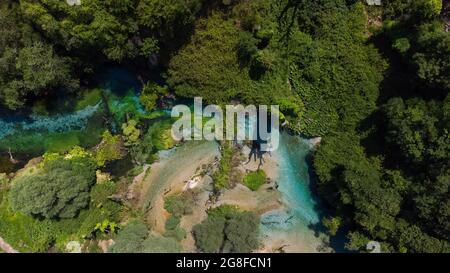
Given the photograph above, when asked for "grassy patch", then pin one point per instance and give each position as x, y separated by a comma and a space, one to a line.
255, 180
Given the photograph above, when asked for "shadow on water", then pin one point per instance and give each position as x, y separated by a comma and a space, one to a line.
119, 81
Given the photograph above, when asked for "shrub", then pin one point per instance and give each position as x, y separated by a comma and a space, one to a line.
332, 224
255, 180
135, 238
180, 204
158, 244
130, 239
209, 234
110, 148
178, 234
173, 222
227, 230
59, 190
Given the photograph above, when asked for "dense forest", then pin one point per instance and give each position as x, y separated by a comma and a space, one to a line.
372, 81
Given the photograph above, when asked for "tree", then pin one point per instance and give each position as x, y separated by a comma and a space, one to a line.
159, 244
208, 65
332, 224
181, 204
426, 9
59, 190
32, 71
227, 230
334, 93
417, 128
241, 233
167, 16
209, 235
135, 238
432, 56
150, 95
130, 238
110, 148
131, 132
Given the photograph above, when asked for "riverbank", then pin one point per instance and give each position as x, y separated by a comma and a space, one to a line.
285, 203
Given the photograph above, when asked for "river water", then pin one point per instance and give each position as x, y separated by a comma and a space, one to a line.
294, 226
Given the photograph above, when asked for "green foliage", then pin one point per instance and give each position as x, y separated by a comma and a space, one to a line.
254, 180
158, 137
159, 244
208, 66
418, 128
29, 234
357, 242
419, 8
131, 132
223, 211
150, 95
335, 93
227, 230
130, 238
209, 236
135, 238
383, 161
332, 224
402, 45
88, 98
106, 227
173, 222
179, 205
178, 234
111, 148
32, 70
59, 190
3, 185
29, 67
432, 56
369, 186
241, 233
222, 176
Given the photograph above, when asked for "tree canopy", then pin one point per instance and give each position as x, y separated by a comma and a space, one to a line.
59, 190
228, 230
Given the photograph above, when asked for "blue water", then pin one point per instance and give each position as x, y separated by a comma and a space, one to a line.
56, 123
120, 86
295, 178
295, 223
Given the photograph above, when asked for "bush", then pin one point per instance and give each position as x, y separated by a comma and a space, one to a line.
59, 190
28, 234
178, 234
179, 205
227, 230
209, 234
158, 244
241, 233
130, 238
110, 148
135, 238
332, 224
173, 222
255, 180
